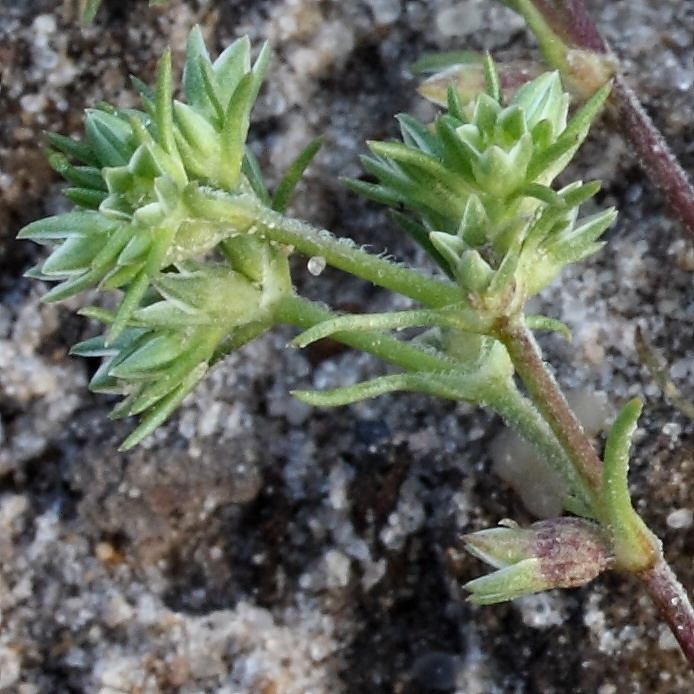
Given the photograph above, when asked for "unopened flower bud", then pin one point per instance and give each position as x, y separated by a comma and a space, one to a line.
557, 553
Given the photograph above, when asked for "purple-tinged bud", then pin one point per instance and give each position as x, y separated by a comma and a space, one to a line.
557, 553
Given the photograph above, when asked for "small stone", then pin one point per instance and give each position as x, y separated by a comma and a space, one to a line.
338, 566
461, 19
10, 668
680, 519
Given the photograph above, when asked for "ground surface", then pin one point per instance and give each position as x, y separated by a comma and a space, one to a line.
256, 546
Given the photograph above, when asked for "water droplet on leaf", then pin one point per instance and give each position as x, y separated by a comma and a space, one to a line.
316, 265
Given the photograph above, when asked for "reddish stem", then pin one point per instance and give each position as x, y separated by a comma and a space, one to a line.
660, 163
665, 590
673, 605
550, 401
572, 23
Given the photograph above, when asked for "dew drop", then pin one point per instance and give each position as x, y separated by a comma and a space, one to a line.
316, 265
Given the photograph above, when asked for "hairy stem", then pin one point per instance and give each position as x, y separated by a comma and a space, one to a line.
343, 254
303, 313
657, 158
673, 604
520, 414
665, 590
550, 401
352, 259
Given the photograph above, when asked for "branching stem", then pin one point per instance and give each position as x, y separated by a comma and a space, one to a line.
665, 590
339, 253
304, 314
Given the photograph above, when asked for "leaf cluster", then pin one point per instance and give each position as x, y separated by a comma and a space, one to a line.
134, 228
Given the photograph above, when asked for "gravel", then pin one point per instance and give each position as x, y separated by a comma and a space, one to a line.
254, 545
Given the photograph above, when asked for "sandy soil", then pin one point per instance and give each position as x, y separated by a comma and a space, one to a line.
256, 546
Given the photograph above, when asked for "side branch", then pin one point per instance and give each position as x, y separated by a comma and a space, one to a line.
653, 152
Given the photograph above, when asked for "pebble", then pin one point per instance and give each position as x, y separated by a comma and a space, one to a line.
680, 519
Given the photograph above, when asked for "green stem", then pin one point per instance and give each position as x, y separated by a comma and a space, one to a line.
303, 313
340, 254
553, 47
503, 397
221, 208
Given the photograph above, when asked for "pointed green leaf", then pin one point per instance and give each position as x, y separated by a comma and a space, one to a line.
421, 235
454, 106
457, 154
251, 170
196, 129
234, 132
293, 174
491, 77
485, 113
130, 301
211, 87
416, 135
634, 545
347, 395
85, 197
374, 191
78, 223
120, 276
102, 382
74, 285
193, 82
403, 154
150, 359
543, 99
81, 176
231, 65
147, 94
73, 148
136, 249
89, 10
160, 412
73, 256
579, 124
544, 194
474, 224
258, 71
168, 315
577, 193
110, 137
195, 360
510, 126
164, 109
546, 323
